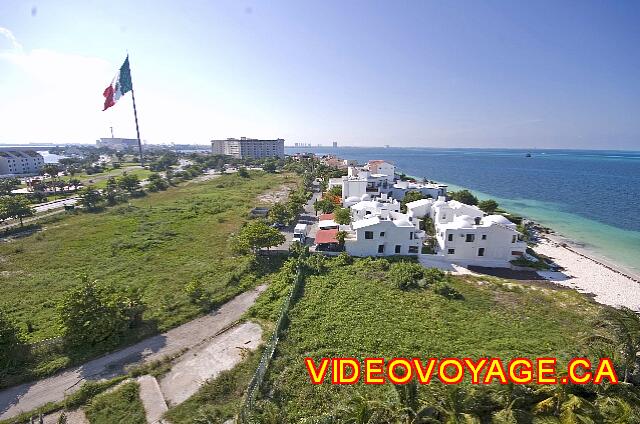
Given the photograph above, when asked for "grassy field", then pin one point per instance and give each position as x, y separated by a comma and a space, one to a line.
159, 243
100, 180
353, 311
121, 406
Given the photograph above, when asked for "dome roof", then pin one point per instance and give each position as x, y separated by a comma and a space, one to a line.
497, 219
403, 222
365, 196
465, 221
354, 199
439, 203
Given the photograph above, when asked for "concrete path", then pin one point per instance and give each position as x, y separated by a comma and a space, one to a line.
197, 366
152, 399
73, 417
29, 396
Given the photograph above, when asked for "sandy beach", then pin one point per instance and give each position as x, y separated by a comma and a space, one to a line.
609, 284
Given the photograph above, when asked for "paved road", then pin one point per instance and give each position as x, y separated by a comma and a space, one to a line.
308, 216
29, 396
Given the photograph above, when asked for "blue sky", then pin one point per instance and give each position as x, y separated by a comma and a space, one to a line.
425, 73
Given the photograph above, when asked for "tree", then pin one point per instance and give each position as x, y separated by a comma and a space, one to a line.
280, 213
335, 191
129, 182
15, 207
10, 340
157, 183
464, 196
75, 183
256, 235
621, 329
342, 216
7, 185
324, 205
50, 169
92, 314
489, 206
90, 198
411, 196
242, 171
269, 166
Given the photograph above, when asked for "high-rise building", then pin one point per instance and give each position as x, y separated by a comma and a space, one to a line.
248, 148
20, 161
335, 144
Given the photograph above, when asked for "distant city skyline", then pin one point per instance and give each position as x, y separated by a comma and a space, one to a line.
434, 74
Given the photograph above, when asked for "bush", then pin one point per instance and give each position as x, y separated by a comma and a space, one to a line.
444, 289
92, 314
406, 275
10, 341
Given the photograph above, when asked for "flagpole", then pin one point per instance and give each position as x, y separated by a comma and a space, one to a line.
135, 116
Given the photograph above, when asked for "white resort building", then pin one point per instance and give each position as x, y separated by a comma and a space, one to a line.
464, 234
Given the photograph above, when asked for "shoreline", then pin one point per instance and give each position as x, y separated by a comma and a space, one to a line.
543, 231
588, 274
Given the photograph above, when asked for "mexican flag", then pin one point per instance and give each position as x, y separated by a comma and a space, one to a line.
120, 85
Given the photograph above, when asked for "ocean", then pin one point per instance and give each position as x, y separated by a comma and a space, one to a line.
592, 197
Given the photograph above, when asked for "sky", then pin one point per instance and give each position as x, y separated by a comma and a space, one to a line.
543, 74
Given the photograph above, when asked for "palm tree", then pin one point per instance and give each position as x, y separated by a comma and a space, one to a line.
622, 329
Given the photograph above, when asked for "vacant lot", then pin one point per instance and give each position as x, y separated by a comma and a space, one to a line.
354, 311
159, 243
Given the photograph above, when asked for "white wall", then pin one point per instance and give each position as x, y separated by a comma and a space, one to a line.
393, 236
498, 244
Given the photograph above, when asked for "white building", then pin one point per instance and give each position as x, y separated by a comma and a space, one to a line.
465, 235
19, 162
248, 148
401, 188
487, 241
380, 167
386, 234
366, 208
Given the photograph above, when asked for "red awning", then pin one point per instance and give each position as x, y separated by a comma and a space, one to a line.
326, 217
326, 236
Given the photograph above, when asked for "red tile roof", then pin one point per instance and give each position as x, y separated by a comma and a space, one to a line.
326, 236
326, 217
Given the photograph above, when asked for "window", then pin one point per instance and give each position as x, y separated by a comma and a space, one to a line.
477, 220
513, 239
481, 251
516, 253
413, 249
451, 251
381, 248
470, 238
450, 237
411, 236
444, 217
368, 235
381, 233
484, 237
398, 247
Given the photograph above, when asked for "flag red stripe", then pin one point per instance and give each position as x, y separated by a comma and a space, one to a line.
108, 97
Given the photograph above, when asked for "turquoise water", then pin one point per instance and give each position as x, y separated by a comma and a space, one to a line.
591, 197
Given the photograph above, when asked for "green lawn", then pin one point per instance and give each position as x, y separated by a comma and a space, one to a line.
100, 179
122, 406
159, 242
353, 311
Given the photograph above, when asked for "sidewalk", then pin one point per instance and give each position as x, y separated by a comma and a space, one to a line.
29, 396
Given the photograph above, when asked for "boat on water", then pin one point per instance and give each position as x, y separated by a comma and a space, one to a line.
528, 155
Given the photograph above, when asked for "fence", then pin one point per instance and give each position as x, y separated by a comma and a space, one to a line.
267, 355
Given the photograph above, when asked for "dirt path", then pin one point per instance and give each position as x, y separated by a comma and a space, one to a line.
29, 396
